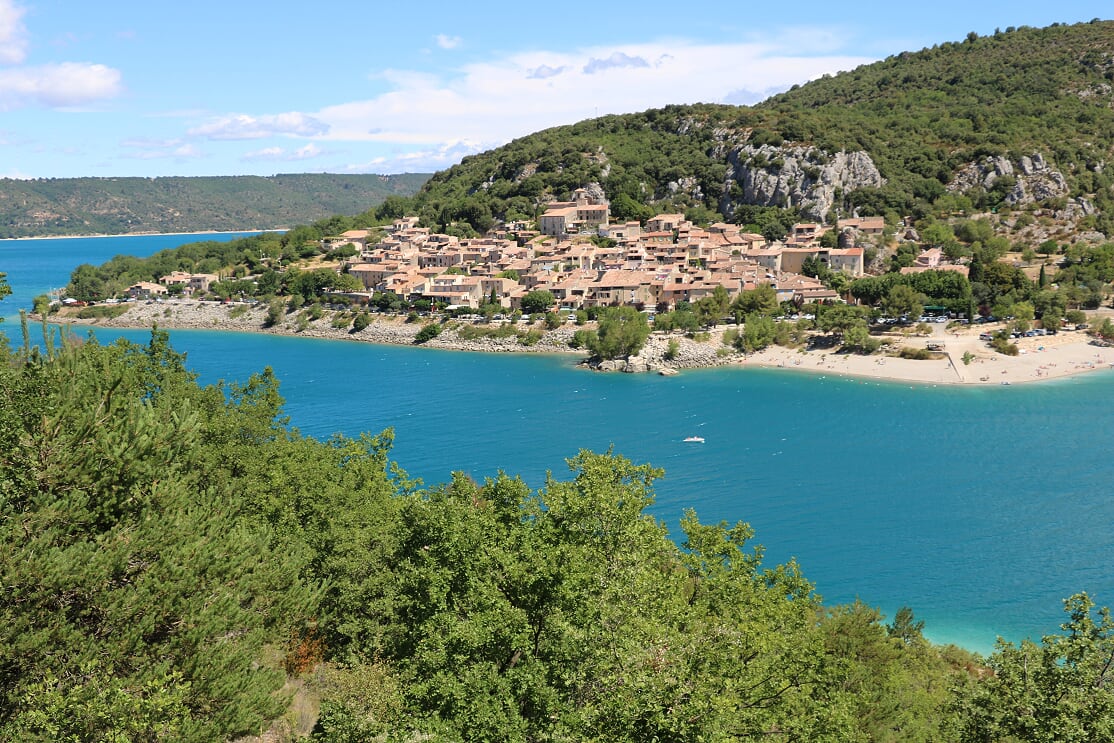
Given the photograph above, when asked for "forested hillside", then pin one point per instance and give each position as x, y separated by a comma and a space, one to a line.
86, 206
178, 563
1018, 120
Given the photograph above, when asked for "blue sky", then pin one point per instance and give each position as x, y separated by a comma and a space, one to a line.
239, 87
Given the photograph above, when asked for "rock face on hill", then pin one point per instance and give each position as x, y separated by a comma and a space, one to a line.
1030, 179
795, 175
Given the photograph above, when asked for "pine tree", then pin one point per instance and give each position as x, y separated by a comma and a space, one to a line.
139, 594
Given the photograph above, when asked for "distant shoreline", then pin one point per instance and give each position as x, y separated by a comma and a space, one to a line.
1041, 358
146, 234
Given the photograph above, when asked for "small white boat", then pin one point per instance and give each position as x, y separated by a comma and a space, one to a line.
694, 439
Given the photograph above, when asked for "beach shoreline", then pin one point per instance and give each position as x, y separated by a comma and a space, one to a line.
1040, 358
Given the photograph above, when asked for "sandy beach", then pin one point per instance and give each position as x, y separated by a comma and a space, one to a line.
1041, 358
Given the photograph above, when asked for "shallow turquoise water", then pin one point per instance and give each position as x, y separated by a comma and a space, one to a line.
979, 508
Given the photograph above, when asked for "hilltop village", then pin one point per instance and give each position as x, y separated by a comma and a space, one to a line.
547, 285
586, 261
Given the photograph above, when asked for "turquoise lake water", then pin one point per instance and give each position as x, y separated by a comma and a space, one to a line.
980, 508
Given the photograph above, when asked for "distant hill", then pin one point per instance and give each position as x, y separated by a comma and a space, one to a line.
81, 206
1022, 119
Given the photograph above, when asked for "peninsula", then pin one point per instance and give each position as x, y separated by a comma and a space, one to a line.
698, 296
1039, 358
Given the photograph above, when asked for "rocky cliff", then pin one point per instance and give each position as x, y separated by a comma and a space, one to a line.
794, 175
1029, 180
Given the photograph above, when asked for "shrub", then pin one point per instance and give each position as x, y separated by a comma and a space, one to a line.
1104, 330
362, 321
582, 339
99, 311
858, 340
530, 338
428, 333
1002, 345
671, 349
275, 312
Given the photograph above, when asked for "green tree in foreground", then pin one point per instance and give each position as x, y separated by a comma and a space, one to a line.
1060, 690
173, 554
139, 594
569, 614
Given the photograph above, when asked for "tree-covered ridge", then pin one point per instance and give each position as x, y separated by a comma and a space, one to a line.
921, 116
633, 156
83, 206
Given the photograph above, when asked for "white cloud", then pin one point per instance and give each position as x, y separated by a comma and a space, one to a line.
448, 42
495, 101
58, 85
142, 148
417, 161
543, 72
617, 59
745, 97
13, 35
308, 152
428, 121
243, 126
187, 152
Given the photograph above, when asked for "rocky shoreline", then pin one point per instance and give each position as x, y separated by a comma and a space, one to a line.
392, 330
964, 360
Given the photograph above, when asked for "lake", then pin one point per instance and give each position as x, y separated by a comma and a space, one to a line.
981, 508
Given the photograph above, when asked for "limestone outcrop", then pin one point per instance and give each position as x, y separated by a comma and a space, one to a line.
794, 175
1030, 179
